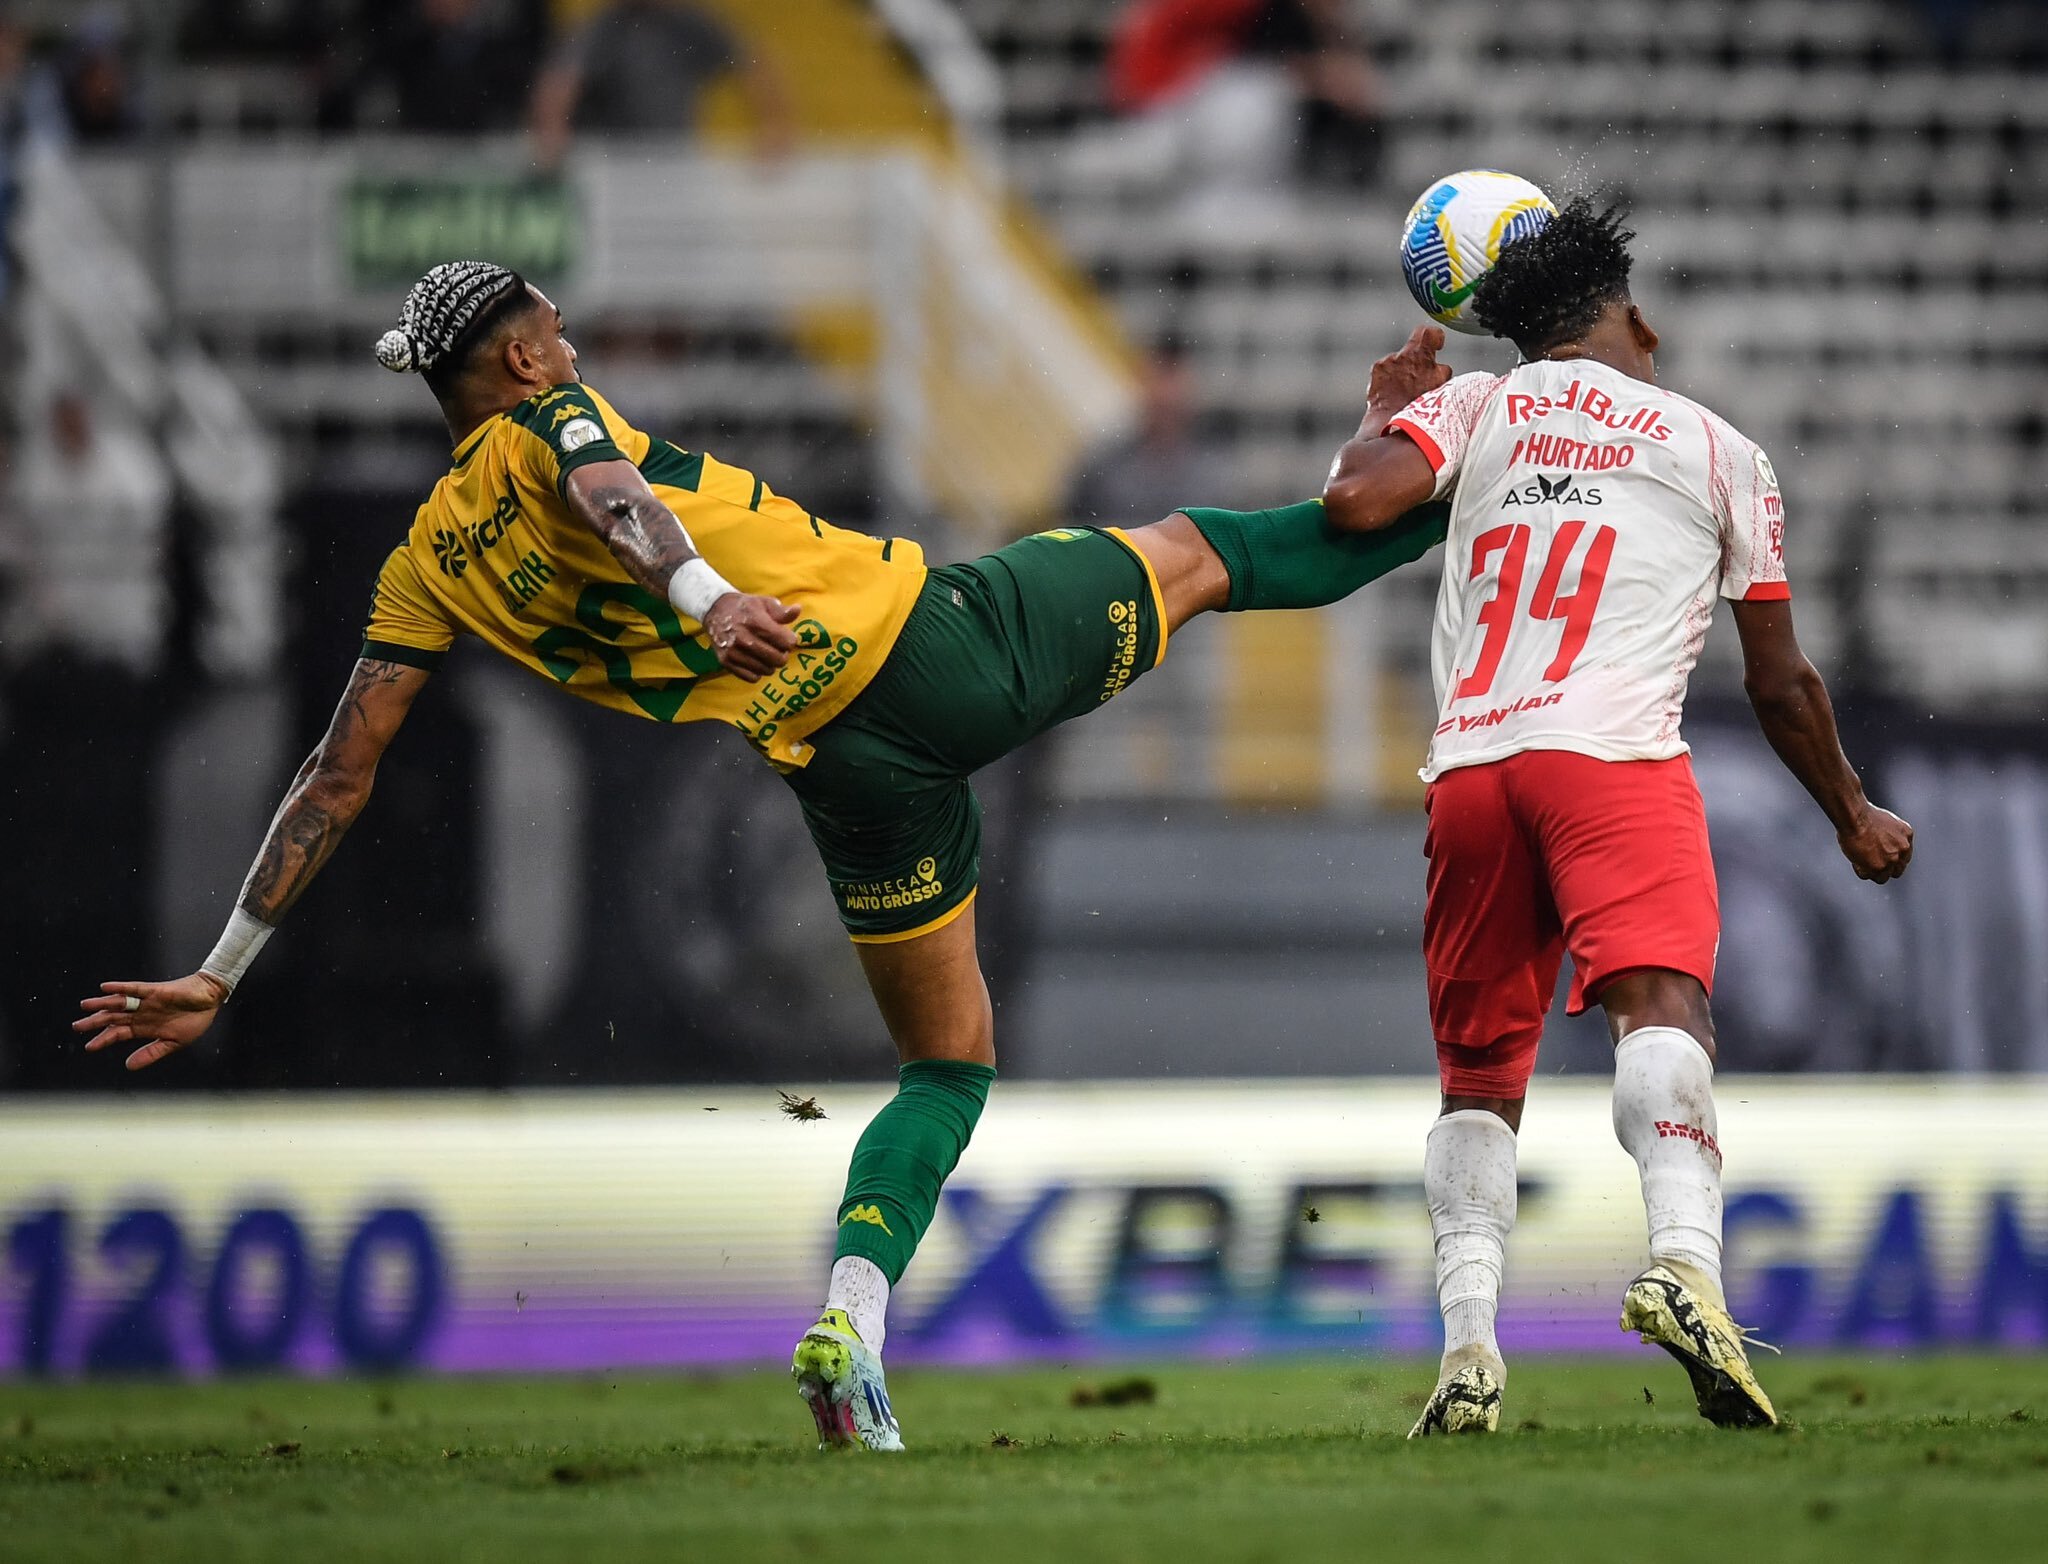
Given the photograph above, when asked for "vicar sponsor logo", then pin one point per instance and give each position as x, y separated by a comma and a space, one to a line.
1554, 450
1588, 402
453, 551
483, 536
448, 553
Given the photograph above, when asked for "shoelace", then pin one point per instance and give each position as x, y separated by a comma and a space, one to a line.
1750, 1338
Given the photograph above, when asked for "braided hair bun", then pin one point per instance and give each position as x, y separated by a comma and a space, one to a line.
440, 310
395, 351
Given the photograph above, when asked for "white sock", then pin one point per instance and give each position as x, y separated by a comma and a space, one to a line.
862, 1291
1664, 1118
1468, 1174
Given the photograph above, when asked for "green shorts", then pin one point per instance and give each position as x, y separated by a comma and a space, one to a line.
996, 651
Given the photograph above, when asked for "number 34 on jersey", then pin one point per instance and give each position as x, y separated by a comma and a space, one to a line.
1595, 521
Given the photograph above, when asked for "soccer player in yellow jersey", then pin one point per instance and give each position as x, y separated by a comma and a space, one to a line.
670, 586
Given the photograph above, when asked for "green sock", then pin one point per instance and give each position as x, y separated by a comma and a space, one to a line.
1293, 558
903, 1158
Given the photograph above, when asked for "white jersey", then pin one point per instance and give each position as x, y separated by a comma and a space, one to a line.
1594, 520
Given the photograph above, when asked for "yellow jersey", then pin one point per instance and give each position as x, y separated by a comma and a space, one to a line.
496, 551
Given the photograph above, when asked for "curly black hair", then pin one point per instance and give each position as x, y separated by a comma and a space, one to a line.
1548, 289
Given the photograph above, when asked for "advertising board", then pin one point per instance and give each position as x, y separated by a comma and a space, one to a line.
587, 1231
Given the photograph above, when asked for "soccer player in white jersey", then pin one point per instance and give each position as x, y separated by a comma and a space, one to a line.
1595, 519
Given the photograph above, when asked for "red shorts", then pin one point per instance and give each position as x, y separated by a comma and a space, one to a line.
1544, 852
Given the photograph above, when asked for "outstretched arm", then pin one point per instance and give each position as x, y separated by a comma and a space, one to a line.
749, 633
322, 802
1792, 706
1375, 480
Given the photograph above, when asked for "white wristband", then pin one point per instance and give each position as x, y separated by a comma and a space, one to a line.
695, 587
239, 943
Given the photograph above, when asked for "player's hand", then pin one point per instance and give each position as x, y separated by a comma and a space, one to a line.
751, 634
167, 1016
1400, 378
1878, 844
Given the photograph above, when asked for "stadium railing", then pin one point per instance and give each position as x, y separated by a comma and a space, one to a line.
91, 313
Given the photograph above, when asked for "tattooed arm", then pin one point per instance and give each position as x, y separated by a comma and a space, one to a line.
321, 803
748, 632
331, 787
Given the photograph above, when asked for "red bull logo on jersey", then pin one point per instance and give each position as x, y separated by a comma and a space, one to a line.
1588, 402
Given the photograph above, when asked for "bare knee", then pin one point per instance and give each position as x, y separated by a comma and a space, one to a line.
1192, 576
1658, 997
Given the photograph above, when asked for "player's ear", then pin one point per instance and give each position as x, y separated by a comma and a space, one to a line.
520, 355
1645, 335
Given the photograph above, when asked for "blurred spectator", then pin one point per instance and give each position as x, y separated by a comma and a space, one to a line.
252, 29
94, 507
31, 114
2010, 33
1163, 465
457, 66
639, 67
99, 85
86, 704
13, 553
1340, 90
1235, 97
31, 95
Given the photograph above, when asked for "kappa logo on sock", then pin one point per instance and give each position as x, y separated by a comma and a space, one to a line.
1666, 1130
871, 1214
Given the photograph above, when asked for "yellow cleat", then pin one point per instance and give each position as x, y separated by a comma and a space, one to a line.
1466, 1401
1682, 1316
841, 1381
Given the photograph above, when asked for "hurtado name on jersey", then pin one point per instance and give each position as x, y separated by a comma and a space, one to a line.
1594, 520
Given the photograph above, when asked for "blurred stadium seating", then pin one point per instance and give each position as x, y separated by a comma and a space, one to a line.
1840, 237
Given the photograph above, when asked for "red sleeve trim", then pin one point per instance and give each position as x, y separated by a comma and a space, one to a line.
1769, 592
1429, 447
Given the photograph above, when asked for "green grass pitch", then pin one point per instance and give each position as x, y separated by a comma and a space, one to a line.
1930, 1458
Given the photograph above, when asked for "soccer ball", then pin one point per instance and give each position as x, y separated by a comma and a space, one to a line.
1454, 234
